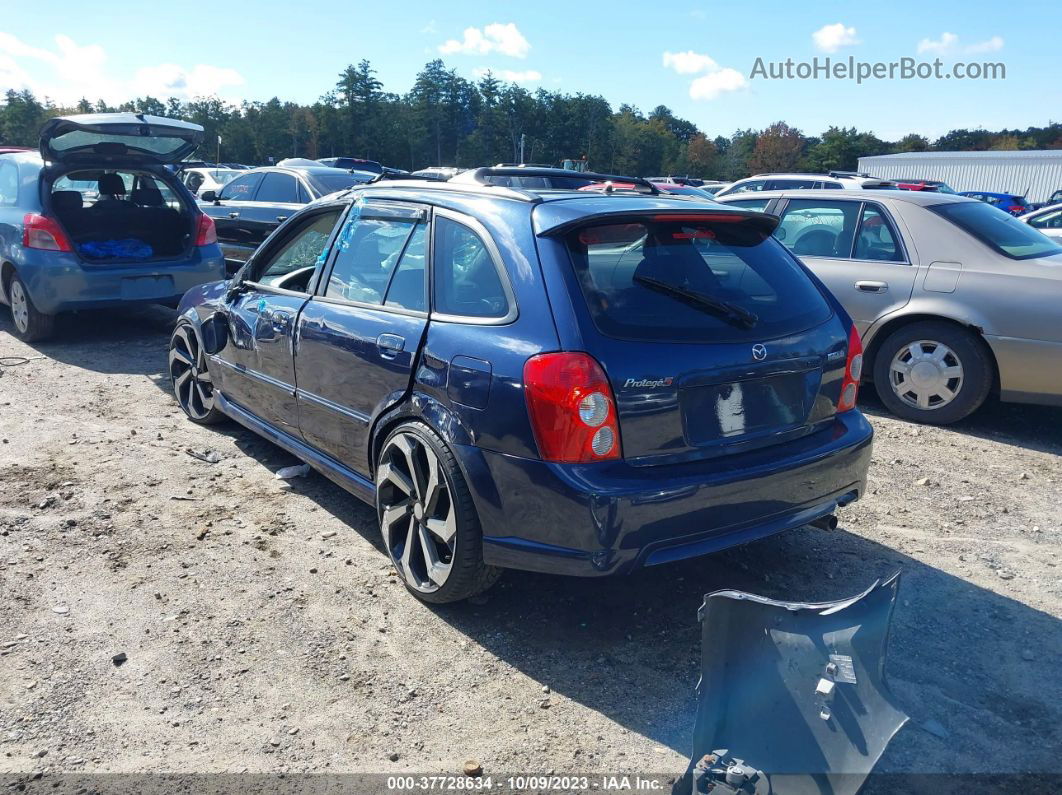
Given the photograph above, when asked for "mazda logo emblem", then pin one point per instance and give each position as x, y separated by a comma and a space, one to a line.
759, 352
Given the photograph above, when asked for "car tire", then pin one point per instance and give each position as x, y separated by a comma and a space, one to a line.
445, 561
30, 324
933, 372
190, 377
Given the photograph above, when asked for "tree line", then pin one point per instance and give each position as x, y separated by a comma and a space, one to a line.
445, 119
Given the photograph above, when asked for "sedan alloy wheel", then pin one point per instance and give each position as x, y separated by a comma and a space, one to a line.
192, 383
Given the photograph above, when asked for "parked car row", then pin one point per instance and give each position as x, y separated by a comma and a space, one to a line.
541, 368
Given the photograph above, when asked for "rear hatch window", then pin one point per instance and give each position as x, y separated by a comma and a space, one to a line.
692, 281
713, 337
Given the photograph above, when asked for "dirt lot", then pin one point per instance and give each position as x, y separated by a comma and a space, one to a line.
265, 630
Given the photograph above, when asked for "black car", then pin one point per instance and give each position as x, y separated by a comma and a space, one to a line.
248, 209
355, 163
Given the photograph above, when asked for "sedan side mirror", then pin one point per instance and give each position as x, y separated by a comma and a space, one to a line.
215, 332
209, 196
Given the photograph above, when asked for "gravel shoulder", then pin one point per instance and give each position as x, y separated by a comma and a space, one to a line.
265, 630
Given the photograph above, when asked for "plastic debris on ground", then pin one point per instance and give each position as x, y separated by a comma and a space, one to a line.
287, 473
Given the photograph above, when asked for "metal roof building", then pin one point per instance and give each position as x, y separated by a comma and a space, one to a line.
1034, 173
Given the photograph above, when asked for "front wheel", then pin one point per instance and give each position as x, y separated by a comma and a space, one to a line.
192, 383
932, 372
30, 325
428, 521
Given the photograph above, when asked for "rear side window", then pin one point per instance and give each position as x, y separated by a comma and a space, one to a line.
876, 239
792, 184
692, 281
467, 282
998, 230
279, 189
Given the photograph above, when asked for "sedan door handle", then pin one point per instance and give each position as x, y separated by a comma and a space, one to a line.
234, 215
282, 218
280, 321
390, 345
872, 287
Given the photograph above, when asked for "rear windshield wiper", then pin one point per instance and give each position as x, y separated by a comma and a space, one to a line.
737, 315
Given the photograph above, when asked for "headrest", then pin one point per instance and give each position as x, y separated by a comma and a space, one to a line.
149, 197
112, 185
66, 200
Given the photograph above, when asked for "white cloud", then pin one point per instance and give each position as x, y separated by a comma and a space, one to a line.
689, 62
72, 71
948, 44
430, 28
504, 39
711, 85
831, 38
509, 76
714, 79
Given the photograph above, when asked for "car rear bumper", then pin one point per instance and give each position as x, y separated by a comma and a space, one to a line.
609, 518
60, 282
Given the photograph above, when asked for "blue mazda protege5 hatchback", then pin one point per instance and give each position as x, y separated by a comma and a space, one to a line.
96, 220
537, 378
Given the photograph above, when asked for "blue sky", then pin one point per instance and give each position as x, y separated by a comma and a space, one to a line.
695, 57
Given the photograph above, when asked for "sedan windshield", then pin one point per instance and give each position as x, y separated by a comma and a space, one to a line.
999, 230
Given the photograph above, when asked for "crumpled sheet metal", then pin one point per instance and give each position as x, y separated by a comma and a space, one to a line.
771, 694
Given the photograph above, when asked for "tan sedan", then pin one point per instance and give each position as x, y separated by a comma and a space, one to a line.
954, 298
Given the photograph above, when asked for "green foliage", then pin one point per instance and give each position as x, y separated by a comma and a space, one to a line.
447, 120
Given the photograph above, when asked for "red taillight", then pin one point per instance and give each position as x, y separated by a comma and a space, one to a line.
853, 371
206, 233
573, 413
40, 231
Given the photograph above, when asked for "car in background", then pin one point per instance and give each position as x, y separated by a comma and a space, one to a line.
355, 163
556, 381
1047, 219
530, 177
835, 180
253, 204
924, 184
953, 298
1055, 198
200, 179
715, 188
437, 172
667, 188
95, 219
1008, 202
6, 149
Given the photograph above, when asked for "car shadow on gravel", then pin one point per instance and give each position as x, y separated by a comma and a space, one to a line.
126, 340
1021, 424
964, 660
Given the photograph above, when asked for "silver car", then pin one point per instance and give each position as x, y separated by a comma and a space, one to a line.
1047, 219
953, 297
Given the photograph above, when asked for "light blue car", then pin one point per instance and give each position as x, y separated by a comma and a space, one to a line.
96, 220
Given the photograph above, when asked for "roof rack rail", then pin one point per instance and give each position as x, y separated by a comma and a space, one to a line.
482, 176
384, 176
836, 174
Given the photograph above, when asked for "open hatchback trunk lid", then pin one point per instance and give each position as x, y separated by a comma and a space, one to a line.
713, 337
118, 139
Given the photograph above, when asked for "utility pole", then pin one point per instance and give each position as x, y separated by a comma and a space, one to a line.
523, 139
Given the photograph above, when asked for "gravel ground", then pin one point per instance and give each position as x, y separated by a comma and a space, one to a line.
266, 632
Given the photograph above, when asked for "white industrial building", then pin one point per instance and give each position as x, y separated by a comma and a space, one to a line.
1034, 174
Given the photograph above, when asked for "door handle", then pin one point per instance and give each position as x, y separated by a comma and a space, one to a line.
282, 218
390, 345
280, 321
872, 287
234, 215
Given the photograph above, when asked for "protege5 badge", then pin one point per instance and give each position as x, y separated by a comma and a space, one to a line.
648, 383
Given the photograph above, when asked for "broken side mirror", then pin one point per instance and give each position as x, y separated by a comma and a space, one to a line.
215, 333
793, 696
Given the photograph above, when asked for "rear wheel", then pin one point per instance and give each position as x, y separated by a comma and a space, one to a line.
30, 325
428, 521
192, 384
932, 372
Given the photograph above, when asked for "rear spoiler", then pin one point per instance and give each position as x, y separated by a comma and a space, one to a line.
760, 222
